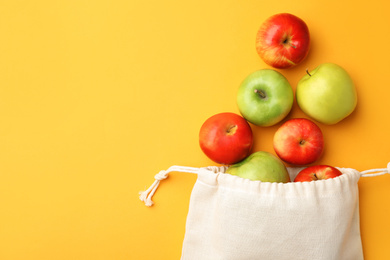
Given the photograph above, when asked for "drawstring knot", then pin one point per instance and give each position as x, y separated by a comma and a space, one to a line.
162, 175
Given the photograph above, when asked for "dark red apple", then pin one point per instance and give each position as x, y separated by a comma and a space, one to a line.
226, 138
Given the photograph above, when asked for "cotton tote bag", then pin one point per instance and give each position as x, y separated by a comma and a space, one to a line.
234, 218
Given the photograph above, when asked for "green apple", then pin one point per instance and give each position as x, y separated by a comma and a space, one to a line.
261, 166
327, 94
265, 97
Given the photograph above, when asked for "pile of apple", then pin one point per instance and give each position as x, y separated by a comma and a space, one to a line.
325, 94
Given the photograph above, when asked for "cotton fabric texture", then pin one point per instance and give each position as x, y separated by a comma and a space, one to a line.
235, 218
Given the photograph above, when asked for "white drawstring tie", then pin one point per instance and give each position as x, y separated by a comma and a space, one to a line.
376, 172
146, 196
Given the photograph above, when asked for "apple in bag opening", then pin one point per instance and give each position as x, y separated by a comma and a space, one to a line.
317, 172
261, 166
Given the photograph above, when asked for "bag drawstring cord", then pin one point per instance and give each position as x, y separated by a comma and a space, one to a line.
146, 196
376, 172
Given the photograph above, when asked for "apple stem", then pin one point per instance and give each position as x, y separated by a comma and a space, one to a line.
231, 130
315, 176
307, 71
260, 93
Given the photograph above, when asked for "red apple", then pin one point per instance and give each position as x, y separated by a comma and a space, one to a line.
226, 138
298, 141
317, 172
283, 40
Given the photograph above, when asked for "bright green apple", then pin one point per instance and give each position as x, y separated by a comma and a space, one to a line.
327, 94
261, 166
265, 97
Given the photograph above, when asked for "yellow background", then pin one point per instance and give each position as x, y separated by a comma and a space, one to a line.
96, 97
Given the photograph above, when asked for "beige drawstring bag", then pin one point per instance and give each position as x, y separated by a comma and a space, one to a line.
234, 218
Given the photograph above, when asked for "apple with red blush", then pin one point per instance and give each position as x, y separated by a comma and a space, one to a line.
317, 172
283, 40
226, 138
298, 141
